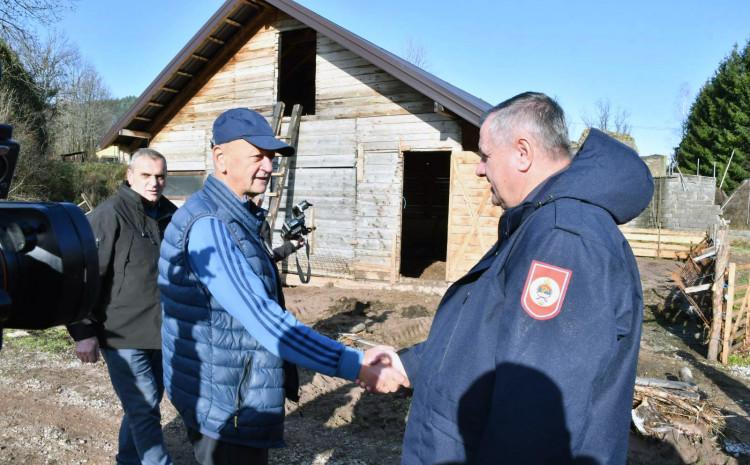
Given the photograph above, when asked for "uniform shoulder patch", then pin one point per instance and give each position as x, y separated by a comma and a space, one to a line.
544, 291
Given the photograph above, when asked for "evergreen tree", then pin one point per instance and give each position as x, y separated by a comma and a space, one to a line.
719, 123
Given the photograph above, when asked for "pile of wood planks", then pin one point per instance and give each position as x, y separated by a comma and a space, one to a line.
662, 243
718, 291
663, 406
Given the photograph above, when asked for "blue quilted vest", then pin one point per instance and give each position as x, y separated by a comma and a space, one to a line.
220, 379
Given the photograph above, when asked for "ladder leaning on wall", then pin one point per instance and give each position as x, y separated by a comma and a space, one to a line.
281, 172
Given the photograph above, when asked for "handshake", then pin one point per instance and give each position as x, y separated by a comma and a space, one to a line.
382, 371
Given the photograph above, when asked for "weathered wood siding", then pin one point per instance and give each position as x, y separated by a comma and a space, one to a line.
350, 153
472, 219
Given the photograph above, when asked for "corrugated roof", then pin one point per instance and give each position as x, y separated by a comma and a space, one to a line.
228, 30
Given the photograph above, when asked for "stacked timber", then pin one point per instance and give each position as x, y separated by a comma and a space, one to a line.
662, 243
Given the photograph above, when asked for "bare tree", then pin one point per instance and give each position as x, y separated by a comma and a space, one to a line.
7, 105
16, 16
621, 121
32, 158
51, 63
601, 117
608, 119
416, 54
82, 115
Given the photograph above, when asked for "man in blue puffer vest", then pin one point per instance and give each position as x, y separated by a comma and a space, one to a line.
531, 357
225, 333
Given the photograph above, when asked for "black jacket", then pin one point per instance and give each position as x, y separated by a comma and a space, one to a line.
127, 314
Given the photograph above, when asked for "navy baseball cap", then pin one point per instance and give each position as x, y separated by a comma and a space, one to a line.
244, 123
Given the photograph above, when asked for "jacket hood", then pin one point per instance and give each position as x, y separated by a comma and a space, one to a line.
607, 173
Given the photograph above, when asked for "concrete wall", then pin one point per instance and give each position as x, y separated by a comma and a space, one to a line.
657, 164
737, 207
682, 203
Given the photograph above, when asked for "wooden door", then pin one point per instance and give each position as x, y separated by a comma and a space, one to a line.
472, 219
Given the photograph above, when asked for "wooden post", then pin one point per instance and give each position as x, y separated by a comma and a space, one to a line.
727, 337
658, 243
394, 260
722, 256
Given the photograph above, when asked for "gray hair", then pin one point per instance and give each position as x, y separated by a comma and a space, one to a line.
539, 114
145, 152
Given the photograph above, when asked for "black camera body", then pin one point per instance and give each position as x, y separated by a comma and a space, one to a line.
49, 268
294, 224
9, 150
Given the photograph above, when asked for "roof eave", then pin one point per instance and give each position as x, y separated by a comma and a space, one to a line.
461, 103
161, 79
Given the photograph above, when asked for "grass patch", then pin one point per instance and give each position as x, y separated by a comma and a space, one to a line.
740, 246
53, 340
742, 359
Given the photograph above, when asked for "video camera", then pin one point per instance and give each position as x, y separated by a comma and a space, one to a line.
294, 228
49, 269
294, 225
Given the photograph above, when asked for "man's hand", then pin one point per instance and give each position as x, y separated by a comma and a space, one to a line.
87, 350
382, 370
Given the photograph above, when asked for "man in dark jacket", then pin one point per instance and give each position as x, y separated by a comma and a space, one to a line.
126, 322
532, 355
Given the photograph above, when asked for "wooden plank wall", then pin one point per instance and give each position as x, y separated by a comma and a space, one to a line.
348, 87
349, 163
248, 79
473, 220
661, 243
378, 213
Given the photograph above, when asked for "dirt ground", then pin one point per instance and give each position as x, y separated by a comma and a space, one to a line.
54, 410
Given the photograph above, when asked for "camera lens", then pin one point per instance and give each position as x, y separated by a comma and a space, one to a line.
59, 257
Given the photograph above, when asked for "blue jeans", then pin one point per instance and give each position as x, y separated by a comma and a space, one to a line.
136, 375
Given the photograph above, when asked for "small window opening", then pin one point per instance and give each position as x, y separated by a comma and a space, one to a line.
297, 52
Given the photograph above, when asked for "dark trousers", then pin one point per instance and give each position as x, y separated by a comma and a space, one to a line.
209, 451
136, 376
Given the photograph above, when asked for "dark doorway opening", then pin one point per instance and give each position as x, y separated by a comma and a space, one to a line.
297, 52
424, 230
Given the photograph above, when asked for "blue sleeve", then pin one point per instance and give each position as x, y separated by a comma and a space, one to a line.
223, 269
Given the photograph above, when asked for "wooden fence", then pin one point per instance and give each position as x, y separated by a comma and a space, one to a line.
736, 324
661, 243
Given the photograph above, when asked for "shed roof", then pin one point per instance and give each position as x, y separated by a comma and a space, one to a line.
228, 30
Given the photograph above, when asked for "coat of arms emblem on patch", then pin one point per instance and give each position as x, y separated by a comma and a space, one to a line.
545, 289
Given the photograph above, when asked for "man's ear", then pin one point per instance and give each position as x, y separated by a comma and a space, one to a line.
219, 159
525, 154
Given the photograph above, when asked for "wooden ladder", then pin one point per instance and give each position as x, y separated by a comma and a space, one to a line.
280, 174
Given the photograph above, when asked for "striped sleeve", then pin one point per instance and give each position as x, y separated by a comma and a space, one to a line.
223, 269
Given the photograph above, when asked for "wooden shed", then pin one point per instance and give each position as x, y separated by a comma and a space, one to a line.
386, 150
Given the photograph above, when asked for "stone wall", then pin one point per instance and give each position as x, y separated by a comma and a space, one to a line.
682, 203
737, 207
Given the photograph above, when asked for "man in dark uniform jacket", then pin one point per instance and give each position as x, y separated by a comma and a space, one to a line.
126, 322
532, 355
